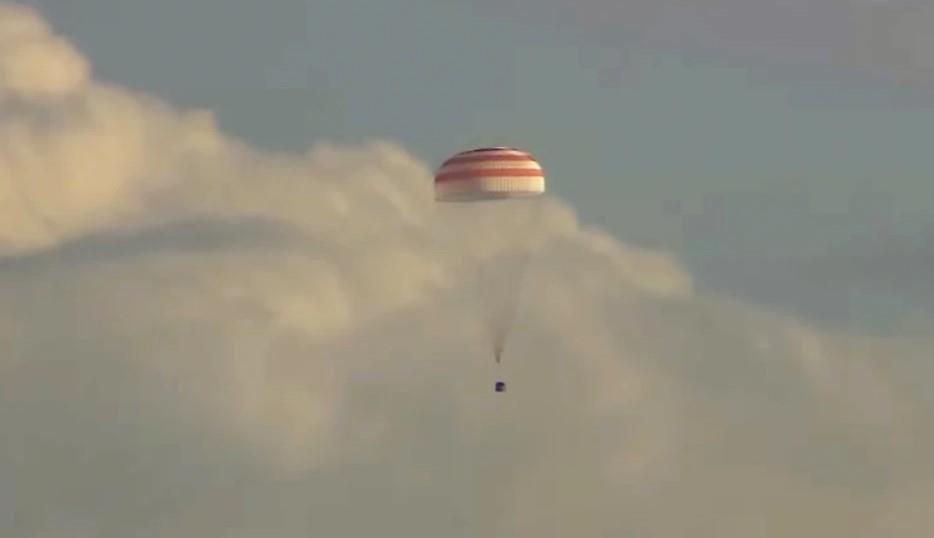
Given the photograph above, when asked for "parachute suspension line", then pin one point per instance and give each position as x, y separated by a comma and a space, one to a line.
503, 281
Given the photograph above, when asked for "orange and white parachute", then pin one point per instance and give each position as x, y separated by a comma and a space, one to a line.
488, 174
493, 195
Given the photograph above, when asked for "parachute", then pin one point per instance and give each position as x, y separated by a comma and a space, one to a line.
490, 200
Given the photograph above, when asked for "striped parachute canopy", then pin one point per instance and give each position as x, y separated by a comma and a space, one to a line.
489, 174
502, 189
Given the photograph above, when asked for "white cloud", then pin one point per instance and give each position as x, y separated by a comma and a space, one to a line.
200, 339
36, 63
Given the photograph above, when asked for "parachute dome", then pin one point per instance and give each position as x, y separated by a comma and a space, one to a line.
489, 174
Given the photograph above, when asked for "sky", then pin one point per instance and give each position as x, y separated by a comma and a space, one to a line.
224, 309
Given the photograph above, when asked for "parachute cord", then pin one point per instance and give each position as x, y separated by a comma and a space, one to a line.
500, 327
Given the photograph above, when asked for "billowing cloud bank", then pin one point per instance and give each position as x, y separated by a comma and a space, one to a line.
199, 339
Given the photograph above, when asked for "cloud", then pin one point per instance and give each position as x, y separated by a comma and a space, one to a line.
36, 62
199, 338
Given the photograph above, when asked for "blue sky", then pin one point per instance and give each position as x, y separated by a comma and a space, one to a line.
776, 176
